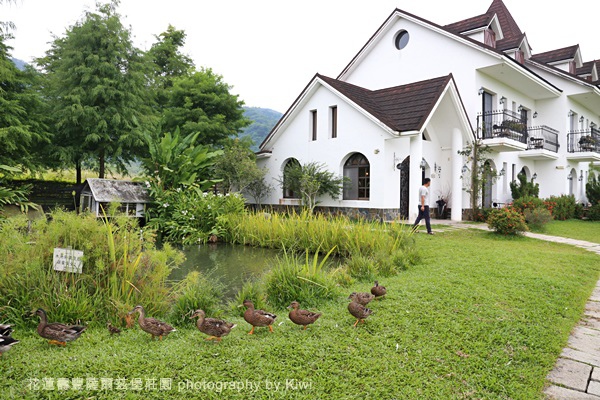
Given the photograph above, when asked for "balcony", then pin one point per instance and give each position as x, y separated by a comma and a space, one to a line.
503, 130
584, 145
542, 143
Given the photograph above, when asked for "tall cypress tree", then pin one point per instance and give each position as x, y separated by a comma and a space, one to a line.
97, 85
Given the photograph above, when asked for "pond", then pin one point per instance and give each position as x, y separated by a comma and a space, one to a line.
232, 265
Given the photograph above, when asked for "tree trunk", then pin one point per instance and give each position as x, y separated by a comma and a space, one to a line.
101, 161
78, 171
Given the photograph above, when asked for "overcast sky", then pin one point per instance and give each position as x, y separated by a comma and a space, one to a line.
268, 50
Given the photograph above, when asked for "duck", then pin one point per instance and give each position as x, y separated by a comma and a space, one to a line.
302, 317
6, 343
5, 329
359, 311
215, 328
112, 329
57, 333
257, 317
378, 290
151, 325
361, 298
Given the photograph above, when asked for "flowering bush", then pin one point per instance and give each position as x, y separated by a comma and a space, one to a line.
507, 221
562, 207
527, 203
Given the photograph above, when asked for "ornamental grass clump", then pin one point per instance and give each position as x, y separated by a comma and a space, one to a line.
507, 221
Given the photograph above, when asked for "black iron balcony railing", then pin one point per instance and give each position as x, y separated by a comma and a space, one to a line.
507, 124
502, 124
586, 140
543, 138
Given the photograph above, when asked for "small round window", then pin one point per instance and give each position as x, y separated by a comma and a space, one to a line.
401, 39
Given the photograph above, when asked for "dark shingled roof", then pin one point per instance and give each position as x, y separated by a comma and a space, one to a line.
510, 29
107, 191
551, 56
466, 25
586, 68
401, 108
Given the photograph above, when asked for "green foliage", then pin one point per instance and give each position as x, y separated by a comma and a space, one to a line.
252, 290
306, 281
522, 188
121, 268
191, 216
479, 172
311, 181
562, 207
236, 166
592, 187
593, 213
201, 102
195, 292
507, 221
537, 218
97, 88
525, 203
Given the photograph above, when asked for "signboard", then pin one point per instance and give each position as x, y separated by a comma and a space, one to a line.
67, 260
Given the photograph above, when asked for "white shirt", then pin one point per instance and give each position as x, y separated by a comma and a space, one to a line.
424, 191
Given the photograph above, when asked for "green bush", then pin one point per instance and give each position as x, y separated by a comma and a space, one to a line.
305, 281
562, 207
251, 290
522, 188
507, 221
527, 203
537, 218
592, 187
593, 213
194, 292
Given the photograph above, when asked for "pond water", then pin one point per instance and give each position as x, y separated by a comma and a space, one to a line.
231, 264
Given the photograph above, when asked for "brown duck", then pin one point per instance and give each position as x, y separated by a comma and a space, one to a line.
57, 333
112, 329
378, 290
302, 317
358, 311
151, 325
214, 328
257, 317
361, 298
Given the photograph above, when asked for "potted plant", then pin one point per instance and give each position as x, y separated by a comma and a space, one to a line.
587, 142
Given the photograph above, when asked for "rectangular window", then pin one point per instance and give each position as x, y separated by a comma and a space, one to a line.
333, 121
313, 120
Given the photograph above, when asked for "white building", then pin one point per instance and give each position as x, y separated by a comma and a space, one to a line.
417, 93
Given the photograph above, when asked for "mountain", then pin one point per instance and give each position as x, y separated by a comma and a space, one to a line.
20, 64
264, 120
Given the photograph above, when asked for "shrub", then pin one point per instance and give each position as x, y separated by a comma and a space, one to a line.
507, 221
537, 218
194, 292
592, 187
304, 281
527, 203
252, 290
593, 213
562, 207
522, 188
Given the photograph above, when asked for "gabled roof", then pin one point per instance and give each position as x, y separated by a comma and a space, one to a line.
510, 29
401, 108
480, 21
553, 56
108, 190
586, 68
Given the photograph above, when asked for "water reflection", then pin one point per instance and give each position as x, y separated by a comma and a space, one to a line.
231, 264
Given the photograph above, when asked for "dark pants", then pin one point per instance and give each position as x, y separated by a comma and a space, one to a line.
423, 214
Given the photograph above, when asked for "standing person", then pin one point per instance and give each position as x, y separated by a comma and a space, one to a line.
424, 206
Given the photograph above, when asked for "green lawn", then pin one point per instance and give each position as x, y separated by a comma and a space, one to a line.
575, 229
482, 316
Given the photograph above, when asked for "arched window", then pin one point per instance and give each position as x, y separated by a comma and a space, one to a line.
288, 192
357, 170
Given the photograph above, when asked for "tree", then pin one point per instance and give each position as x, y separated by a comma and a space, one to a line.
592, 187
522, 188
480, 171
236, 167
98, 90
311, 181
168, 62
201, 102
